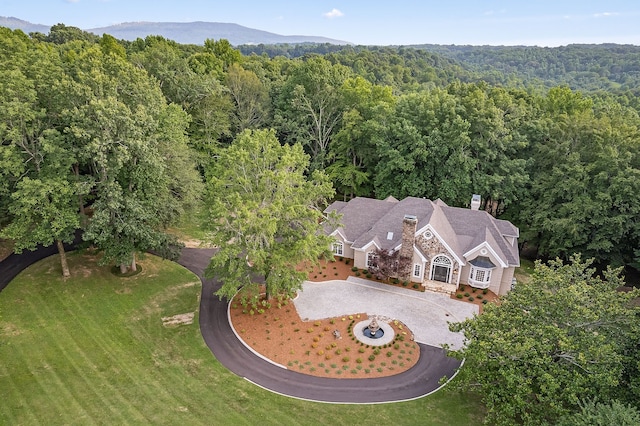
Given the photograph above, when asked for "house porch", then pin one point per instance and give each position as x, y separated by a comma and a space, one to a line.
439, 287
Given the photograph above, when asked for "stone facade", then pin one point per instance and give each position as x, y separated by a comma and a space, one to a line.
432, 247
409, 224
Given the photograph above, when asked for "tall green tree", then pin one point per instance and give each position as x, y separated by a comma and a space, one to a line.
264, 214
127, 134
426, 151
496, 147
551, 343
250, 96
309, 109
353, 152
38, 189
585, 173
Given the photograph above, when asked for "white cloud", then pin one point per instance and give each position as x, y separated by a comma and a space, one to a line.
335, 13
495, 12
605, 14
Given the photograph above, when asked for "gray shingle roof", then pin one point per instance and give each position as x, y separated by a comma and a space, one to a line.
365, 220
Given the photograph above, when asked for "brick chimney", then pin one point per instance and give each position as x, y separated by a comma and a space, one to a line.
409, 224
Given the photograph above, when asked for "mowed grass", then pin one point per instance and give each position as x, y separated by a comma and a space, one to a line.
93, 350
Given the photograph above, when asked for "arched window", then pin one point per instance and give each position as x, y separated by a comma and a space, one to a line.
441, 268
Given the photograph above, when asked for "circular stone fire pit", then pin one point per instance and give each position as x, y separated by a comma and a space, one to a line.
383, 334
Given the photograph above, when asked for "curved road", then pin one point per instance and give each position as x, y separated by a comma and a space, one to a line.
225, 346
419, 381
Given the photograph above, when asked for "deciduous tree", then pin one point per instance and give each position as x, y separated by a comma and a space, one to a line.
561, 338
264, 214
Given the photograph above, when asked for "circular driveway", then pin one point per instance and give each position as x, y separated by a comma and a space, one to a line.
426, 314
421, 380
217, 333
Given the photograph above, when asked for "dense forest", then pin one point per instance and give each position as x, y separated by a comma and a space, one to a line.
128, 131
121, 139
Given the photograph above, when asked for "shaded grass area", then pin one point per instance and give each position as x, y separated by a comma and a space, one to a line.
93, 350
524, 271
6, 248
190, 225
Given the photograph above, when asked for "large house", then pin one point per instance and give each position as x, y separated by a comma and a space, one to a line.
443, 246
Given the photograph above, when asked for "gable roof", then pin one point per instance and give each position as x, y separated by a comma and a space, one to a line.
365, 220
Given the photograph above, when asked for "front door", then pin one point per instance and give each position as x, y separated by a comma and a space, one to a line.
440, 273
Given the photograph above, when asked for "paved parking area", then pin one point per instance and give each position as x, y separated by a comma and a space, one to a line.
426, 314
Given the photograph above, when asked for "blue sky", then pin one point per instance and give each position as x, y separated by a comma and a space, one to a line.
479, 22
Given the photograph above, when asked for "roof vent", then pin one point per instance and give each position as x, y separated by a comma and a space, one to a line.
389, 235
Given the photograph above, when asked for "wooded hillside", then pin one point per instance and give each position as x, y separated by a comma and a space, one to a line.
128, 128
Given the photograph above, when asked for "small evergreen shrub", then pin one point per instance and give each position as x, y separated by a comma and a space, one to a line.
354, 269
459, 296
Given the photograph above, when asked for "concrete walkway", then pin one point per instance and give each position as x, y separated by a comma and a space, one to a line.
426, 314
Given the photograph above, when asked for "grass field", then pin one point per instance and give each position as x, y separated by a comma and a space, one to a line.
93, 350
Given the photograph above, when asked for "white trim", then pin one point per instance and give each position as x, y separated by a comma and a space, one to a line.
344, 239
486, 277
491, 250
366, 258
453, 254
424, 259
415, 251
450, 266
366, 246
420, 270
337, 244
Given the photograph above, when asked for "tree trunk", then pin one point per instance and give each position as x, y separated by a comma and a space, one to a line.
134, 267
124, 268
63, 260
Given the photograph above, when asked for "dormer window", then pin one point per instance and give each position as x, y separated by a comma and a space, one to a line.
480, 275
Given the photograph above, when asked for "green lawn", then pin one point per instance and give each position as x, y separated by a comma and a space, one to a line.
93, 350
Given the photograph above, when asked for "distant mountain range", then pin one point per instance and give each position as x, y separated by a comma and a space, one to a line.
182, 32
